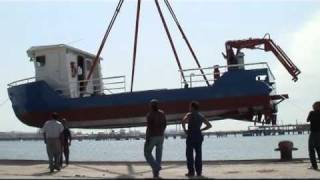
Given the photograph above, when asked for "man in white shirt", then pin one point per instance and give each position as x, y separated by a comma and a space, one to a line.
52, 130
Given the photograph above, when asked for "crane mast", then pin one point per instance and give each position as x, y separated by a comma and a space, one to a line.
268, 45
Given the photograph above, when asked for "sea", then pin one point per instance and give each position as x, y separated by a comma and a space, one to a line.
225, 148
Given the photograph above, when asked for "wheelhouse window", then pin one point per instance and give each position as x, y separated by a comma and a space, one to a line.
40, 61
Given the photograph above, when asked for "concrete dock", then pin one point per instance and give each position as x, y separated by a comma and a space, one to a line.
244, 169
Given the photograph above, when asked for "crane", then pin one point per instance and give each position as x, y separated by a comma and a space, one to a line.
268, 45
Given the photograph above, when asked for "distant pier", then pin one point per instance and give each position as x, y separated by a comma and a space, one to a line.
274, 130
266, 130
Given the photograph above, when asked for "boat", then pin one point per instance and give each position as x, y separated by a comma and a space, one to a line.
243, 92
69, 81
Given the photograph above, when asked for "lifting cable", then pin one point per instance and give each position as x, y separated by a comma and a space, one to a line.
297, 106
186, 39
97, 57
171, 42
135, 43
4, 102
105, 38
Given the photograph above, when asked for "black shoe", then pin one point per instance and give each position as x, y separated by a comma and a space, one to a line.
51, 170
155, 174
189, 174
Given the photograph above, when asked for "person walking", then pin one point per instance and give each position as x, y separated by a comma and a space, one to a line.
66, 142
52, 130
314, 137
194, 138
156, 125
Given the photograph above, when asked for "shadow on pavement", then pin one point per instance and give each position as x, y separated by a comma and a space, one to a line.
45, 173
131, 173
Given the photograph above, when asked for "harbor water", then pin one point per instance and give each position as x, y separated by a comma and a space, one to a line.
225, 148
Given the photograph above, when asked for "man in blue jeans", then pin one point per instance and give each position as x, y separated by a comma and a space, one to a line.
194, 138
156, 125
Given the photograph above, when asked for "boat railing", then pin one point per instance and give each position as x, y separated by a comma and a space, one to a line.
107, 85
22, 81
99, 86
194, 77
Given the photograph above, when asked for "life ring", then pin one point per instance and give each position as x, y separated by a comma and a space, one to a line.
73, 69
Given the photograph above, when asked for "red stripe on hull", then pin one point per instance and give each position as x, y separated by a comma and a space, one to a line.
116, 112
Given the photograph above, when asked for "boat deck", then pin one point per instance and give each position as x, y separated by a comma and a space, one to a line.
245, 169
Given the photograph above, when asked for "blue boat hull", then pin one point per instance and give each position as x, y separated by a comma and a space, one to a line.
237, 95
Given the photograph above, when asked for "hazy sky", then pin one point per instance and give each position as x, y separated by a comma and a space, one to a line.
294, 25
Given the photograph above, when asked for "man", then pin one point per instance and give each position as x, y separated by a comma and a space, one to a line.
314, 137
66, 142
194, 138
52, 130
156, 125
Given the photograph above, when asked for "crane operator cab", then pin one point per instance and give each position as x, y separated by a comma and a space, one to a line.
65, 68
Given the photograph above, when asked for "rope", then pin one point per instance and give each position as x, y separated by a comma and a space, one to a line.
186, 40
297, 107
74, 41
171, 42
4, 102
105, 37
135, 43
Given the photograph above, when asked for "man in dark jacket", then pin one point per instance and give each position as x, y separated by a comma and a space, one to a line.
194, 138
314, 137
156, 125
65, 141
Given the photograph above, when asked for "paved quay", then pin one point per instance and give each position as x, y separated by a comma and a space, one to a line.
244, 169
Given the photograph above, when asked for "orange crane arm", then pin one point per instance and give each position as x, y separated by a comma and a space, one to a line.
269, 45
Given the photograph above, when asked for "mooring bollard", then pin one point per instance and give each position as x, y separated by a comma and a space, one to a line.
286, 148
